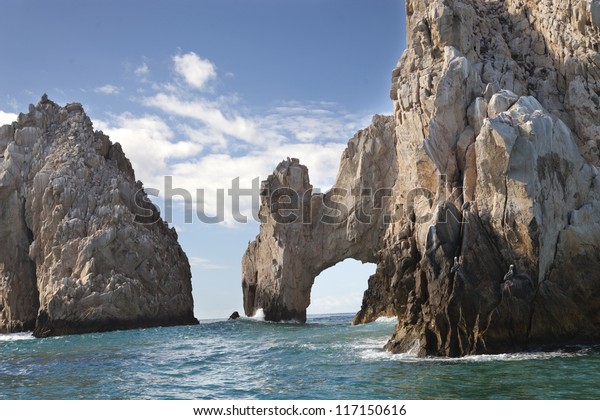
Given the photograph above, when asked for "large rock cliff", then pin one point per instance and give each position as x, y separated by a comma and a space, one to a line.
82, 249
479, 199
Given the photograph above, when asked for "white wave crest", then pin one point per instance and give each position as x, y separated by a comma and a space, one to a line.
518, 356
16, 336
410, 357
380, 354
259, 315
387, 319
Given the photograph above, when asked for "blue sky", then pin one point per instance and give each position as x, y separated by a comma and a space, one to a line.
211, 90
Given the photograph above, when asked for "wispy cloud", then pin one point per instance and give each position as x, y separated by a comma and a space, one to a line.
108, 90
208, 113
142, 70
314, 121
205, 264
195, 71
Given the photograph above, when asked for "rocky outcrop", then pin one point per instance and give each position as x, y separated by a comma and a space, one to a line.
83, 248
482, 190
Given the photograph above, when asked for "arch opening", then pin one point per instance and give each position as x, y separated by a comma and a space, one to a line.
340, 289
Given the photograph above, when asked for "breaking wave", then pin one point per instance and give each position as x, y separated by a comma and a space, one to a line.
16, 336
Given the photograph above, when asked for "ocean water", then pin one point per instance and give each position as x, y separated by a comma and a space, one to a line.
250, 359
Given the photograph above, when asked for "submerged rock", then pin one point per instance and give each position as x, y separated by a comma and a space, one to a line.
487, 162
83, 249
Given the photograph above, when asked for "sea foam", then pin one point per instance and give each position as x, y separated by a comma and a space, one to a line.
410, 357
387, 319
16, 336
259, 315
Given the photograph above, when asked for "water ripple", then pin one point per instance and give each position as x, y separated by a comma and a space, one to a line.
249, 358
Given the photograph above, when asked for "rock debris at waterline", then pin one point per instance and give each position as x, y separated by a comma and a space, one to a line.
78, 253
496, 114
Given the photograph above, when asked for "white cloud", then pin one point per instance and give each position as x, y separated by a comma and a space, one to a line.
142, 70
7, 118
314, 122
210, 114
213, 139
217, 171
195, 71
335, 304
149, 143
206, 142
108, 90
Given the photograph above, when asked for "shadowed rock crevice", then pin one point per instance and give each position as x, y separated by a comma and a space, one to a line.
83, 248
490, 163
19, 297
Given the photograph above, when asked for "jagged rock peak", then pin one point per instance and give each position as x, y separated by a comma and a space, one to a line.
482, 190
83, 249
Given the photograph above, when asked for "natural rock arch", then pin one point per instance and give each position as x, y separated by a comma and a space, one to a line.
303, 234
491, 160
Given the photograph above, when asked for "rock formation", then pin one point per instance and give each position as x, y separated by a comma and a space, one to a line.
83, 249
478, 199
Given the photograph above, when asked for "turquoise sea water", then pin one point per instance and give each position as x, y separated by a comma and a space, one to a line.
323, 359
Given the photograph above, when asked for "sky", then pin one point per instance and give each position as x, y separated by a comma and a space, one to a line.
200, 93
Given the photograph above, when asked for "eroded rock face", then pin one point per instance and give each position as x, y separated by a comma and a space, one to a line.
82, 248
488, 239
